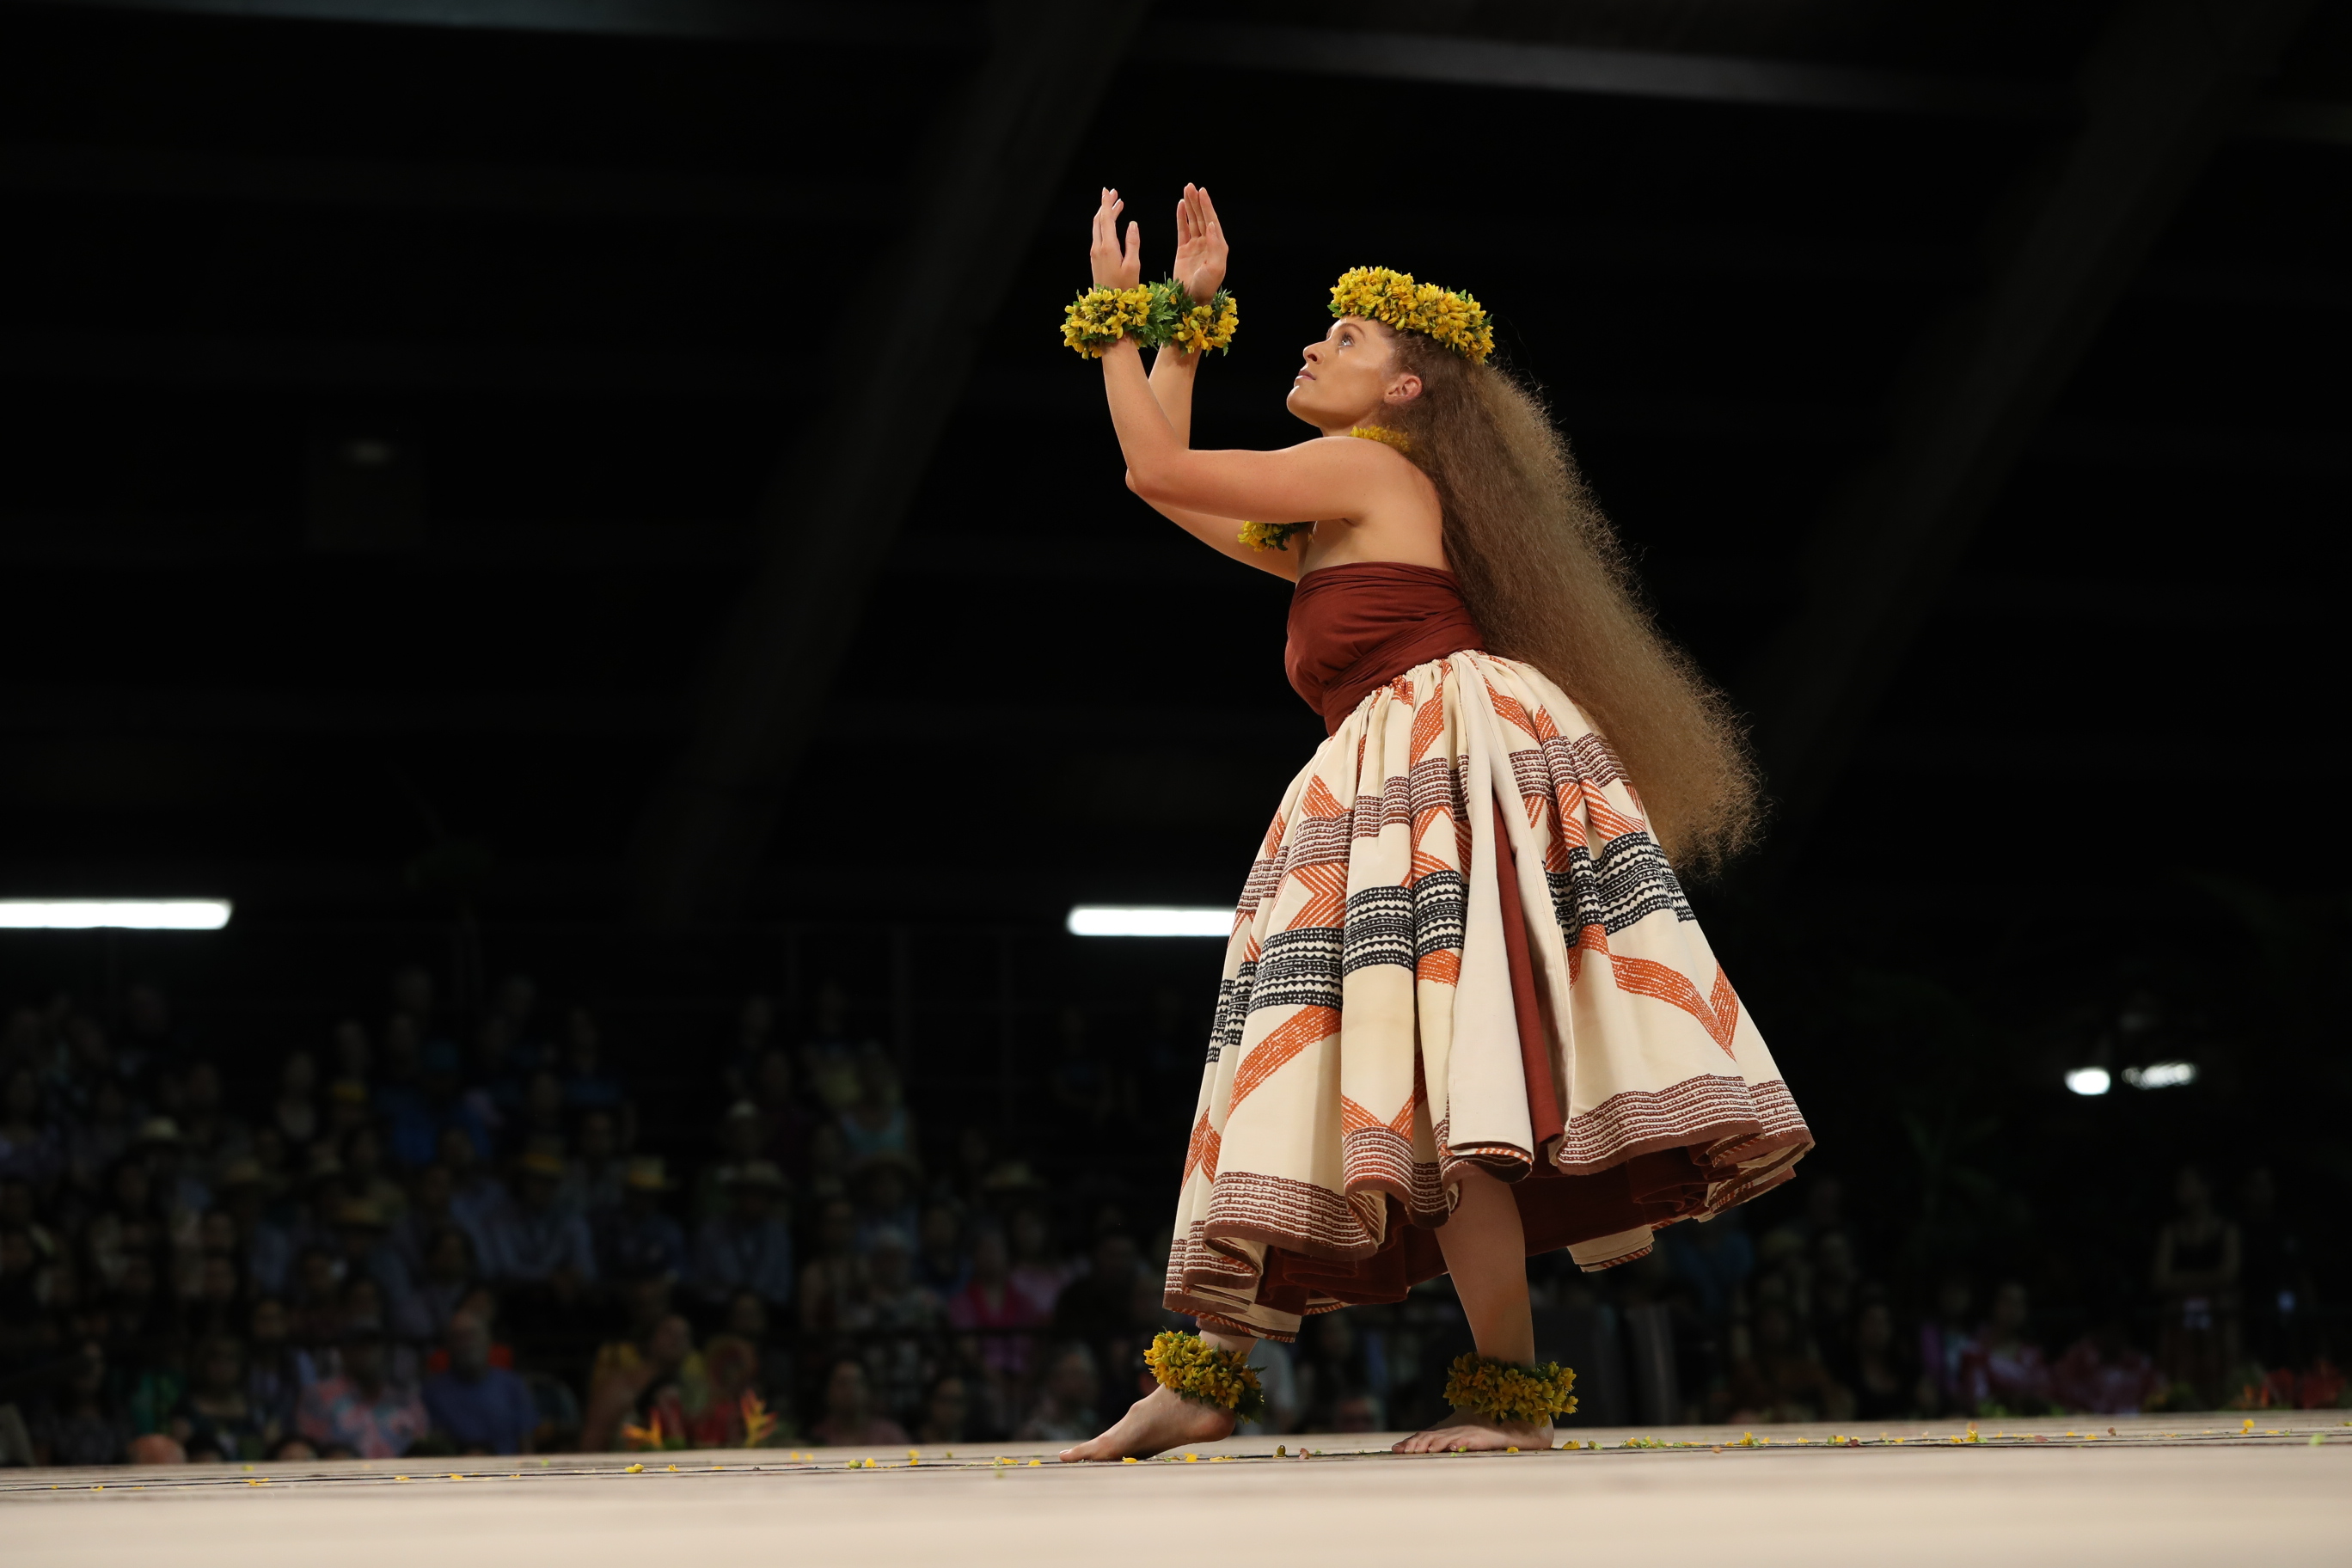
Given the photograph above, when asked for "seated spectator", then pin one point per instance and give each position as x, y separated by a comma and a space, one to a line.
276, 1372
595, 1177
82, 1423
885, 1201
947, 1411
1780, 1379
349, 1106
368, 1254
784, 1123
635, 1238
850, 1420
939, 1260
739, 1145
834, 1279
734, 1366
747, 1322
1335, 1365
360, 1410
2004, 1373
431, 1211
750, 1247
879, 1126
1065, 1411
267, 1247
1037, 1273
538, 1241
990, 1301
587, 1084
475, 1191
1356, 1413
479, 1408
218, 1411
295, 1112
32, 1147
1094, 1306
365, 1172
1945, 1343
906, 1314
662, 1390
1882, 1383
156, 1448
449, 1276
2101, 1373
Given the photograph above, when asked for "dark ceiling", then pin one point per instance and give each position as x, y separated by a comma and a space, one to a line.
616, 460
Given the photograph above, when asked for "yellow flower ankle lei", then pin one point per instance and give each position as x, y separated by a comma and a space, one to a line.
1200, 1371
1154, 315
1522, 1395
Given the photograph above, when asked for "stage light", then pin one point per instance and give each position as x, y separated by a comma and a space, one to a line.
125, 915
2161, 1075
1152, 919
2088, 1080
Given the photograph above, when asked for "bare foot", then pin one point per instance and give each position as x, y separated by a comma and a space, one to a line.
1468, 1431
1157, 1420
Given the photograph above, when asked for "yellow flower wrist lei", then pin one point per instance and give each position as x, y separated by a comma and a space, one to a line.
1522, 1395
1153, 314
1200, 1371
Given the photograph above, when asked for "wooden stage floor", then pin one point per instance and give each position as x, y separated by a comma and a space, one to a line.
2202, 1489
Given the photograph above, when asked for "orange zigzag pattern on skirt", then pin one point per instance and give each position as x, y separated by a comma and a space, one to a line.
1369, 968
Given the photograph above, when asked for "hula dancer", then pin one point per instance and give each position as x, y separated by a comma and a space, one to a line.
1466, 1012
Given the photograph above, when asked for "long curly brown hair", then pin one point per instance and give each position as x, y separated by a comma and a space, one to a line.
1551, 586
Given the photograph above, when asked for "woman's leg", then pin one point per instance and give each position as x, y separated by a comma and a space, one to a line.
1162, 1419
1486, 1253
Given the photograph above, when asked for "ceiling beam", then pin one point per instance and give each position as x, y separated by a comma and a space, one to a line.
1698, 78
891, 22
1447, 59
906, 346
1626, 73
2163, 82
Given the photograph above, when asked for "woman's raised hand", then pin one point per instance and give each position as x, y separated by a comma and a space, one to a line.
1200, 245
1116, 268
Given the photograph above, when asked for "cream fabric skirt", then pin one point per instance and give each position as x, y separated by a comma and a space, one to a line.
1461, 947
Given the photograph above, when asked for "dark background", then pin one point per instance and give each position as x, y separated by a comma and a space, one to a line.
605, 498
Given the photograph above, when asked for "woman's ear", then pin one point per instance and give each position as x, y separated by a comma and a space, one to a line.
1403, 389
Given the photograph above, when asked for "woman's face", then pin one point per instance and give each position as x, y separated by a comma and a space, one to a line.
1348, 377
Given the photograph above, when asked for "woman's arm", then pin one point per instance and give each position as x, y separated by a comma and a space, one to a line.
1201, 255
1324, 478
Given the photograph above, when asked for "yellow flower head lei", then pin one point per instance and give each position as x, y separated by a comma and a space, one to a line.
1154, 315
1523, 1395
1277, 535
1200, 1371
1380, 294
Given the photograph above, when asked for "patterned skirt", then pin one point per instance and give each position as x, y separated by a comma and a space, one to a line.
1460, 947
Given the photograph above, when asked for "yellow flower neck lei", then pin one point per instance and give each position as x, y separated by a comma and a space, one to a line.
1380, 294
1277, 535
1522, 1395
1154, 315
1200, 1371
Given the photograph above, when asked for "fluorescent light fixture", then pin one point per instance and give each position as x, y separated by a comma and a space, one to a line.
2089, 1081
126, 914
1149, 920
2161, 1075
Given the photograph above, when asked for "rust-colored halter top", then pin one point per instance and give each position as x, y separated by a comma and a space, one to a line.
1354, 629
